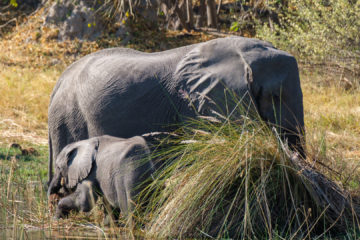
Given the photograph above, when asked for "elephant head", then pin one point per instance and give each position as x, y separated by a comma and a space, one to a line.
73, 164
255, 73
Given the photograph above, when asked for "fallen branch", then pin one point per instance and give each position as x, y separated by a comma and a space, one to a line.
5, 24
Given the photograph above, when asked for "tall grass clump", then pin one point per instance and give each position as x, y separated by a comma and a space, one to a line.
239, 180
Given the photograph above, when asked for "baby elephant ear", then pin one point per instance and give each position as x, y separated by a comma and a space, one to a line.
80, 160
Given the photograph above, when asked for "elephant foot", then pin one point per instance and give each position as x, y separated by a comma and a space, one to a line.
111, 215
107, 221
110, 220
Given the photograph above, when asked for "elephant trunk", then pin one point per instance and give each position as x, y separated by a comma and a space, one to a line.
50, 163
55, 185
288, 119
293, 121
295, 139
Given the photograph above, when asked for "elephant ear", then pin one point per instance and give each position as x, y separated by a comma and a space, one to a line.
275, 86
78, 161
213, 68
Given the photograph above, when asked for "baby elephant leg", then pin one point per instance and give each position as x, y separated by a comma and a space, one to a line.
111, 214
87, 196
65, 205
83, 199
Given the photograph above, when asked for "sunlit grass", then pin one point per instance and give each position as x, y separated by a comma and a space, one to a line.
239, 181
25, 94
332, 116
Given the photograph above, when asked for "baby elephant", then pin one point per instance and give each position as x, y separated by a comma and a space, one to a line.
115, 168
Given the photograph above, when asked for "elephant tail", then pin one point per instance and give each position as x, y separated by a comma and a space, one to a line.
50, 166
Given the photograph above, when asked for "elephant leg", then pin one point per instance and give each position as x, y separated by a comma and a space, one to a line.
86, 196
66, 205
111, 214
63, 131
59, 137
83, 199
122, 197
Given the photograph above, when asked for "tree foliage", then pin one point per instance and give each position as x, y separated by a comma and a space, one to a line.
317, 30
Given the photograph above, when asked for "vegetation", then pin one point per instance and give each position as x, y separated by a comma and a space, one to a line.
318, 31
240, 181
228, 182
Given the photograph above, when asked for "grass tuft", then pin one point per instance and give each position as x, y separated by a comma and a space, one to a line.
240, 181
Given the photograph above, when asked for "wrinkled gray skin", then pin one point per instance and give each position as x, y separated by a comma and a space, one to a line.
123, 92
115, 168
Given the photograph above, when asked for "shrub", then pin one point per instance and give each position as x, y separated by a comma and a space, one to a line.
320, 31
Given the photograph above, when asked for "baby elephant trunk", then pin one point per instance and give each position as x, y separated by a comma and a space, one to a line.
55, 185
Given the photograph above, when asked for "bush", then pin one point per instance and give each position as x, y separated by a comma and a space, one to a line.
319, 31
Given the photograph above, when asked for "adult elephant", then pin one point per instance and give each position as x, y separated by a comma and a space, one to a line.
123, 92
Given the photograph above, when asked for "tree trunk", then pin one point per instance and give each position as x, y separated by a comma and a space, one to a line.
219, 7
190, 14
211, 13
180, 10
202, 13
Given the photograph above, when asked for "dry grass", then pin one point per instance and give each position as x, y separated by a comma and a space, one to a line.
332, 116
25, 93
